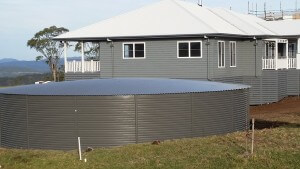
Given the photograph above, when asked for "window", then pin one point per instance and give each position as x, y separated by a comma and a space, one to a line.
270, 50
221, 54
189, 49
134, 50
292, 50
232, 48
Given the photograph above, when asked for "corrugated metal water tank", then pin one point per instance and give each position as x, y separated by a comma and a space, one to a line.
114, 112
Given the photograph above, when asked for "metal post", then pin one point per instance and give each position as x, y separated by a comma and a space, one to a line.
79, 149
248, 7
276, 55
252, 144
65, 56
287, 53
82, 57
298, 54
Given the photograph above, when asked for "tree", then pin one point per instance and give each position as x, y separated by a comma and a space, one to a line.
51, 50
91, 50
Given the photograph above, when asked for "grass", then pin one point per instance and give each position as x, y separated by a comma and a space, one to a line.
274, 148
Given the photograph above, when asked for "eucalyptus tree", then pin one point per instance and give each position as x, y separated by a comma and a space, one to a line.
91, 50
50, 50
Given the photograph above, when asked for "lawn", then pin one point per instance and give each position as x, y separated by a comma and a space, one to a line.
277, 146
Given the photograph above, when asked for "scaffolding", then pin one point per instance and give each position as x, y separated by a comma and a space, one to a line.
272, 15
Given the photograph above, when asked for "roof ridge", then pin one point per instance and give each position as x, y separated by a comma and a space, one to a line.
210, 10
194, 16
249, 23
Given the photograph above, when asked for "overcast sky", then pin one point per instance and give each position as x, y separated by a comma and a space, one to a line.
20, 19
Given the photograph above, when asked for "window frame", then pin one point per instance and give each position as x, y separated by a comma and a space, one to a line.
189, 49
230, 53
133, 43
224, 44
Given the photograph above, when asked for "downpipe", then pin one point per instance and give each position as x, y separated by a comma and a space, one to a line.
207, 55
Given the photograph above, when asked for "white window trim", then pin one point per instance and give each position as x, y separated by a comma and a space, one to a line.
133, 43
224, 55
189, 42
230, 42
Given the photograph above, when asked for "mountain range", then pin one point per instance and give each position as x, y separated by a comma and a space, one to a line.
12, 67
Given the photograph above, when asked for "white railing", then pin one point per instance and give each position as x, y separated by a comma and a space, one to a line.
269, 64
89, 66
292, 63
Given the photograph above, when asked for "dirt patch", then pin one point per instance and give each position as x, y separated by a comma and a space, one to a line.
282, 113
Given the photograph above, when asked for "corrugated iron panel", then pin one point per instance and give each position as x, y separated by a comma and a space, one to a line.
212, 113
14, 122
162, 117
270, 86
106, 120
293, 80
51, 122
1, 114
80, 76
282, 84
55, 122
255, 92
240, 107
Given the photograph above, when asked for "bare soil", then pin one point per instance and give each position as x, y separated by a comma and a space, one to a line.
284, 112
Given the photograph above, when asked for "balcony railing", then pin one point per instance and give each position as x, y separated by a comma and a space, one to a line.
76, 66
284, 63
269, 64
292, 63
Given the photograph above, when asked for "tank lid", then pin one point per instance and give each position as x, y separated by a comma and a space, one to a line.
121, 86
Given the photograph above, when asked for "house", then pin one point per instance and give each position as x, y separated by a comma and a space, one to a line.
182, 40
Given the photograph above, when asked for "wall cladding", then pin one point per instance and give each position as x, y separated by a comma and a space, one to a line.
51, 122
106, 121
14, 122
1, 112
55, 122
161, 60
81, 76
272, 86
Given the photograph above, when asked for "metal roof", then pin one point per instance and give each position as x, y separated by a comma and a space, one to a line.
121, 86
173, 18
283, 27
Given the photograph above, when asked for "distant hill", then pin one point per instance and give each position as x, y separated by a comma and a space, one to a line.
13, 67
7, 60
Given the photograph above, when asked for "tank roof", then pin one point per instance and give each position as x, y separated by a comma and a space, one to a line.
121, 87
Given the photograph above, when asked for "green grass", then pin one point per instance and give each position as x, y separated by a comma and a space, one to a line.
275, 148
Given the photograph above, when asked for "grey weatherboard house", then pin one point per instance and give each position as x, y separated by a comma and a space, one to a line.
182, 40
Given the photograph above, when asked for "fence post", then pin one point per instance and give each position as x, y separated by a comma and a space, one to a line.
79, 149
252, 145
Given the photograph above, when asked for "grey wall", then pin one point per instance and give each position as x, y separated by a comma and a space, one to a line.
81, 76
14, 122
271, 86
161, 61
52, 122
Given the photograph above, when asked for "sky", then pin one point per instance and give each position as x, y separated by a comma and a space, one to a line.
21, 19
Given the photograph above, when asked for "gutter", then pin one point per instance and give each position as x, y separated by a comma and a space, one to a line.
158, 37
